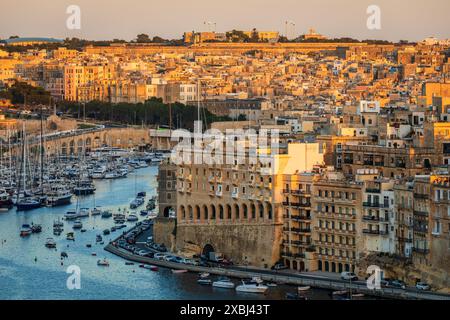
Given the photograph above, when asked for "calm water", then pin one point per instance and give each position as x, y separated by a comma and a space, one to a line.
21, 277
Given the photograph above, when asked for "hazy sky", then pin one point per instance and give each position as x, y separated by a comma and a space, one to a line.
124, 19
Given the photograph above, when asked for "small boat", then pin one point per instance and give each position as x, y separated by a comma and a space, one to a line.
58, 223
204, 281
142, 194
305, 288
357, 295
106, 214
223, 282
64, 254
50, 243
83, 230
144, 213
25, 230
179, 270
98, 238
71, 215
106, 232
149, 267
132, 218
340, 293
70, 236
96, 212
103, 263
93, 254
271, 284
252, 288
129, 263
77, 225
295, 296
27, 204
36, 228
204, 275
89, 245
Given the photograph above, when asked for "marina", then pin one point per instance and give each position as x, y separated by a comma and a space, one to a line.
32, 271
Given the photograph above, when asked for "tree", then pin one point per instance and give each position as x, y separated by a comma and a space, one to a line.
157, 39
254, 36
143, 38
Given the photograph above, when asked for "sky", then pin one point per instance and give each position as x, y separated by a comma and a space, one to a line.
108, 19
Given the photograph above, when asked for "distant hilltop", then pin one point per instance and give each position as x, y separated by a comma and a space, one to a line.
16, 41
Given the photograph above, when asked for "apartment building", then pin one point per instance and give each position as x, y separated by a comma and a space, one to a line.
298, 249
337, 215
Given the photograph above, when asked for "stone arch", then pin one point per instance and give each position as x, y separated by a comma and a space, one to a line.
197, 212
244, 211
221, 212
236, 211
205, 212
166, 211
327, 266
72, 147
88, 144
213, 212
182, 213
253, 210
190, 212
207, 249
269, 211
261, 210
80, 146
340, 269
302, 266
229, 212
64, 149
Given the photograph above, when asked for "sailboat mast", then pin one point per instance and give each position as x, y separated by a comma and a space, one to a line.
42, 155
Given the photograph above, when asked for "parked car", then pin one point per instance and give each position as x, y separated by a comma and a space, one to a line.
142, 253
397, 284
159, 256
422, 286
279, 266
348, 276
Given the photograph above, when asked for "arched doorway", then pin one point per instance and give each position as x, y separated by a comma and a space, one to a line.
320, 265
207, 249
347, 267
294, 265
327, 267
333, 267
302, 266
167, 212
340, 267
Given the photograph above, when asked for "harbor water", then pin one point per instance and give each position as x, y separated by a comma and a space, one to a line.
29, 270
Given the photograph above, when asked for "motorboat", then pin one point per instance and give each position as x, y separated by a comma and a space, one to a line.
179, 271
77, 224
132, 218
59, 195
50, 243
28, 204
25, 230
98, 238
295, 296
106, 232
36, 228
96, 212
103, 263
70, 236
71, 215
252, 288
149, 267
5, 200
84, 189
223, 282
204, 281
142, 194
106, 214
84, 212
304, 288
136, 203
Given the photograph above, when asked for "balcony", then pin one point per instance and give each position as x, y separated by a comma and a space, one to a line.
373, 190
421, 250
219, 193
375, 232
301, 230
305, 218
421, 196
374, 218
375, 205
300, 205
235, 195
421, 213
407, 240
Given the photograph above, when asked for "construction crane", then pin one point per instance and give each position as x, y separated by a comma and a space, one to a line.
288, 23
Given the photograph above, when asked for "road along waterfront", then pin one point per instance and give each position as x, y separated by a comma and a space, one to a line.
29, 270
